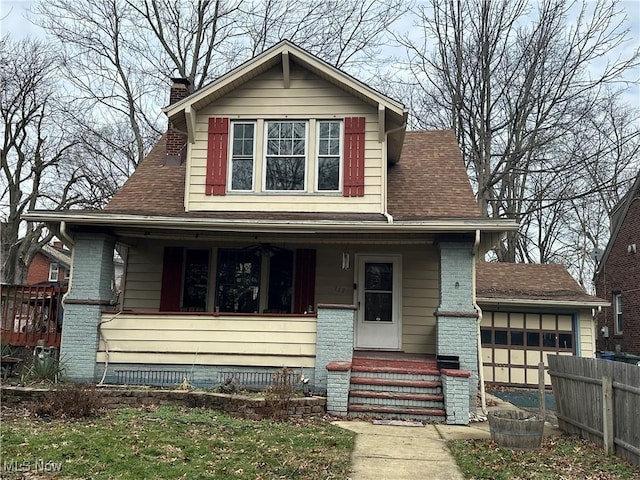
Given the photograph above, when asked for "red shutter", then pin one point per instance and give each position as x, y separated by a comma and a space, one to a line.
305, 287
171, 280
353, 182
217, 156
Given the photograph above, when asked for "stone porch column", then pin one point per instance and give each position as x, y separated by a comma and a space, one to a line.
456, 318
89, 291
334, 339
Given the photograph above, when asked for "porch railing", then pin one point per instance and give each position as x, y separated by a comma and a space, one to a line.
31, 314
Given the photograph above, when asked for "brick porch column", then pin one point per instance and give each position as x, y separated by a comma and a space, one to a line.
89, 291
334, 339
456, 318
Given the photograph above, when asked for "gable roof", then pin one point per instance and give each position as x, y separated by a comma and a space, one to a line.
524, 283
618, 219
56, 255
392, 113
430, 180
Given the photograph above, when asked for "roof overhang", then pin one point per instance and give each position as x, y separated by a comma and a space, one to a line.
392, 115
493, 228
529, 302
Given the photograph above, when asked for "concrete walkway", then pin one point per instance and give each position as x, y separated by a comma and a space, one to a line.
386, 452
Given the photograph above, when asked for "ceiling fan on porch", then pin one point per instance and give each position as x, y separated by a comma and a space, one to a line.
264, 249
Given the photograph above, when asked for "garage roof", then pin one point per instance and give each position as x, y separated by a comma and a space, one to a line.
533, 284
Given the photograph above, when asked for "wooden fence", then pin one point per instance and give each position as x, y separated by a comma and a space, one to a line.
599, 400
31, 314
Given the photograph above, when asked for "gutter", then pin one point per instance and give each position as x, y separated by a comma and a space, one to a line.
257, 225
537, 303
483, 395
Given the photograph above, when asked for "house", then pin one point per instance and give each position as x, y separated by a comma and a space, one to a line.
617, 279
287, 218
50, 266
528, 312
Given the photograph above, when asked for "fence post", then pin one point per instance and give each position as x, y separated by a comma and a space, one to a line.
607, 414
541, 391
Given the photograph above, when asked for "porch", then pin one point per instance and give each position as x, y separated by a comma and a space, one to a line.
31, 315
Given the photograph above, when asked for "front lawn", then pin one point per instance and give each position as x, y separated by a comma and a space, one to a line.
171, 442
565, 457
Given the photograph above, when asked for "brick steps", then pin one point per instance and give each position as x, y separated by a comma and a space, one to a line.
421, 397
396, 382
406, 389
431, 414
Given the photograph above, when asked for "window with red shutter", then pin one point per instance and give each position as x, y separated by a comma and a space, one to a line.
353, 183
217, 150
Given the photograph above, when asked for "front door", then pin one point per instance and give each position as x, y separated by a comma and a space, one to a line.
378, 300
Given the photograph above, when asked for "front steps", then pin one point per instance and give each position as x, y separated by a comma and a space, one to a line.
393, 388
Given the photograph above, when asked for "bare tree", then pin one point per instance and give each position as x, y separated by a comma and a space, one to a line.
515, 83
119, 53
36, 171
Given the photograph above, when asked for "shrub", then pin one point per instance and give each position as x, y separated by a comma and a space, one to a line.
278, 396
72, 400
44, 369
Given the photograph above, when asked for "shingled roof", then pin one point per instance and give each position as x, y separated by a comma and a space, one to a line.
528, 281
429, 182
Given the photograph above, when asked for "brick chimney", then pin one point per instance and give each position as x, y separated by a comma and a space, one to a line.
176, 141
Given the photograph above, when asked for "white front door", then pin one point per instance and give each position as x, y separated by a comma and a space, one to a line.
378, 300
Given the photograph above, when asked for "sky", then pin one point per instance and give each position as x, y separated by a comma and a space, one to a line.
14, 21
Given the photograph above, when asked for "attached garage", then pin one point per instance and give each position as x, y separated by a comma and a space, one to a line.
528, 312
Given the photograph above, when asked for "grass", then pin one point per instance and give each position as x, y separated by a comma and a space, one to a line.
563, 457
174, 442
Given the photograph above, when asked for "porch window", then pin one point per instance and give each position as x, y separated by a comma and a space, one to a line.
196, 279
329, 151
242, 156
286, 155
255, 280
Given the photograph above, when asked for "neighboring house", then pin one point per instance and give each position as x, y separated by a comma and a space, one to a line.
287, 219
529, 311
618, 279
50, 266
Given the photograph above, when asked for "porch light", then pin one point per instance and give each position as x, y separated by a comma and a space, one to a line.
346, 260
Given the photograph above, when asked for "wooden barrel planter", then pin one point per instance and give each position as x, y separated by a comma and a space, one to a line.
516, 429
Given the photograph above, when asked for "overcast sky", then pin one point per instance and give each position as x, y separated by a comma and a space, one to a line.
14, 20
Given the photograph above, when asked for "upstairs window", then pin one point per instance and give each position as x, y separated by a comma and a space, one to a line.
53, 272
329, 152
286, 155
617, 313
242, 156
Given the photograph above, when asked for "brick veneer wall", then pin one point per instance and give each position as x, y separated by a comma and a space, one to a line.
90, 291
249, 407
39, 270
456, 328
334, 340
621, 274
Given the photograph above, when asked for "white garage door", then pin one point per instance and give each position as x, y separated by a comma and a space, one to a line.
513, 343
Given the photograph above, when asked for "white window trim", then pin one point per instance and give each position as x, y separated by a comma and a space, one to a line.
230, 150
265, 135
54, 272
340, 155
617, 312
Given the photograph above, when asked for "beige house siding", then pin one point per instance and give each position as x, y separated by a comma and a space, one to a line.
420, 298
143, 277
209, 340
308, 98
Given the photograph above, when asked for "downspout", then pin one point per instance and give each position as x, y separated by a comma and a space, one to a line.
483, 398
386, 213
66, 238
